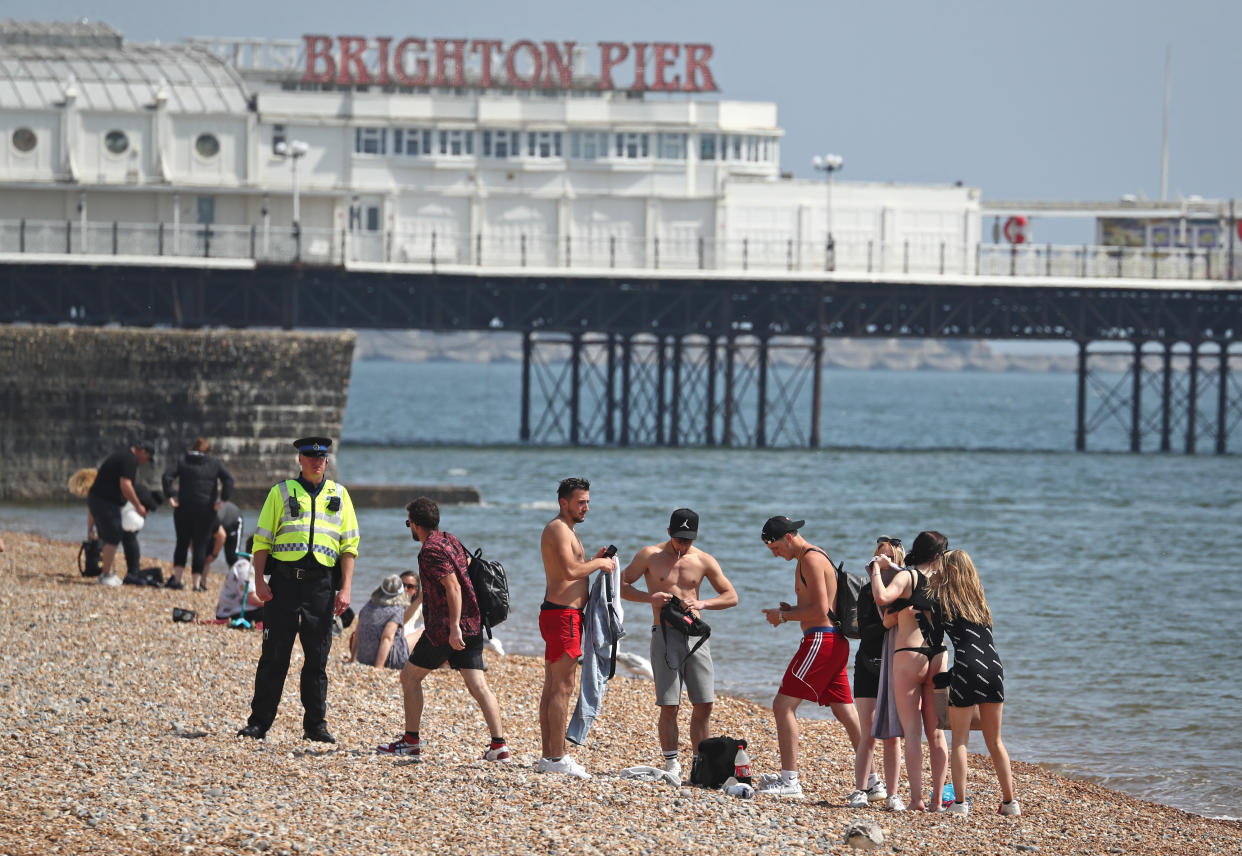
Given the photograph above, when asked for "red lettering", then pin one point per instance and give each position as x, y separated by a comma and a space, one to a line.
382, 65
536, 59
665, 55
696, 61
457, 55
420, 64
563, 63
352, 48
485, 48
611, 54
319, 50
640, 66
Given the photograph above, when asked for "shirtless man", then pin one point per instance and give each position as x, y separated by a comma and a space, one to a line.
560, 619
676, 568
817, 672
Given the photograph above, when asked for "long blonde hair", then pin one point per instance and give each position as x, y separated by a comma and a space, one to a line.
959, 590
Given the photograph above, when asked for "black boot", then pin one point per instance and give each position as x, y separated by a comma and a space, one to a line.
254, 732
319, 734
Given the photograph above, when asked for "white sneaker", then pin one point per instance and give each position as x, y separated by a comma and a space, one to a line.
858, 799
895, 803
877, 792
781, 788
565, 765
497, 753
673, 766
958, 808
1010, 809
111, 580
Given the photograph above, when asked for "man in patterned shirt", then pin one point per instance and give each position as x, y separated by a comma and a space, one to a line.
453, 632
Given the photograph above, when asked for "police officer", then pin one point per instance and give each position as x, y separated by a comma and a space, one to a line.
306, 540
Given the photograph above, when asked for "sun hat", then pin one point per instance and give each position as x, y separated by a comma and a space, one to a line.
390, 592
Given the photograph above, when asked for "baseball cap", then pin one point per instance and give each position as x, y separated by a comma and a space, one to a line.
778, 527
684, 524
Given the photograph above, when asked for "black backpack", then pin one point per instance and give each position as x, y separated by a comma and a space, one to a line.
844, 615
491, 589
714, 762
90, 558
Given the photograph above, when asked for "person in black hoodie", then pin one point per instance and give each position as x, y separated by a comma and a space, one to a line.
194, 508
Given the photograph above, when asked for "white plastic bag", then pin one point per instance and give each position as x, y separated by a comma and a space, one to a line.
131, 520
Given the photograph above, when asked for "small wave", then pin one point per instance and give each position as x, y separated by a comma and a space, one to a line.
456, 471
540, 504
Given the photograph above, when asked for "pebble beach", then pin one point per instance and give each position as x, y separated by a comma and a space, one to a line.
118, 728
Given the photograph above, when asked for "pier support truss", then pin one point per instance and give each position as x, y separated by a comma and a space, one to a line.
645, 389
1161, 396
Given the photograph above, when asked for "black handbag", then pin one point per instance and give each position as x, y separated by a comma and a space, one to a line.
675, 616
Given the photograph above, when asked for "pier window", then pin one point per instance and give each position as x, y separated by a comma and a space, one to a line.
456, 143
411, 141
735, 147
116, 142
671, 146
543, 144
24, 139
588, 146
708, 146
633, 146
501, 144
369, 141
207, 145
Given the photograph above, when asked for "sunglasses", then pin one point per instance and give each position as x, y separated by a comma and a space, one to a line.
884, 539
183, 615
410, 586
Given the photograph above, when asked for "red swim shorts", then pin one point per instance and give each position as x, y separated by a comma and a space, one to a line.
817, 671
561, 629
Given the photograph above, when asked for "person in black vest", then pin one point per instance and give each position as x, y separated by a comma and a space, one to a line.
112, 488
194, 508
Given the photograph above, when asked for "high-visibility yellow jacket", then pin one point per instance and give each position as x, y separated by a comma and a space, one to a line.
293, 523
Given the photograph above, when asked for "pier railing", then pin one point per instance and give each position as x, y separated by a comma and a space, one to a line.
517, 249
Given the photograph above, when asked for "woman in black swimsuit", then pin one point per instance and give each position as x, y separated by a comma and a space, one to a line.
978, 677
918, 658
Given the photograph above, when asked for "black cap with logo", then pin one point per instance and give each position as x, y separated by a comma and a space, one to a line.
684, 524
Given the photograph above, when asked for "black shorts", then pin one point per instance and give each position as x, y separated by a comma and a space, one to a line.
866, 681
107, 517
427, 655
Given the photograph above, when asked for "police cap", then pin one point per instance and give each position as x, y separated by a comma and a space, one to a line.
313, 447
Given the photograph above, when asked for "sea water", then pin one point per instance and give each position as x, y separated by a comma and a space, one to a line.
1113, 578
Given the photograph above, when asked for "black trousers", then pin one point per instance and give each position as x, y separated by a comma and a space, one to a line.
233, 541
303, 609
197, 527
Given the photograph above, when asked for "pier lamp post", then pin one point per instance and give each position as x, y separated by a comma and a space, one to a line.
828, 164
294, 150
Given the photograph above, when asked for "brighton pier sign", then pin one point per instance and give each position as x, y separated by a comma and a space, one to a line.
488, 63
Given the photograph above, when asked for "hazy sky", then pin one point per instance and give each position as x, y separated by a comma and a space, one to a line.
1047, 100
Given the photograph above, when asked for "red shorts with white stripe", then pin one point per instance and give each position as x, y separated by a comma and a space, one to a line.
817, 671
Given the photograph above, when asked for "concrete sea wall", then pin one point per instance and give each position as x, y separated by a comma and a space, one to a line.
70, 395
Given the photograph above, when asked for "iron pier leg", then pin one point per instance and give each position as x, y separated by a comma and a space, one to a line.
1192, 398
1166, 391
761, 417
527, 354
1080, 429
1222, 399
626, 363
610, 432
817, 391
709, 409
728, 400
661, 389
674, 430
1136, 408
575, 394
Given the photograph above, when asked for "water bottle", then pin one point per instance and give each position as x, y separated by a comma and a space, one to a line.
741, 765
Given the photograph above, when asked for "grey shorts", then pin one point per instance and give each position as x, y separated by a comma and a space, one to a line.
697, 673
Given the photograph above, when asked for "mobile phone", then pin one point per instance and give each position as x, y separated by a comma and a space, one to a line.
611, 551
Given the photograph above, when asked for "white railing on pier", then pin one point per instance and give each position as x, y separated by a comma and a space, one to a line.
754, 256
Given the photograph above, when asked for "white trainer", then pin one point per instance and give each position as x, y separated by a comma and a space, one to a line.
1010, 809
781, 788
111, 580
895, 803
877, 792
499, 753
565, 765
858, 799
672, 765
958, 808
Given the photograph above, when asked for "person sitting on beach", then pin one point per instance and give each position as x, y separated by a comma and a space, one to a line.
454, 633
817, 671
566, 570
918, 657
676, 568
871, 628
239, 585
379, 640
978, 678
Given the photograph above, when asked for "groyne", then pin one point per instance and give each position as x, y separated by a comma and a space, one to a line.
70, 395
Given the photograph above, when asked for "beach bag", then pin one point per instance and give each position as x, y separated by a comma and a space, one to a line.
675, 616
491, 589
713, 763
845, 615
90, 558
